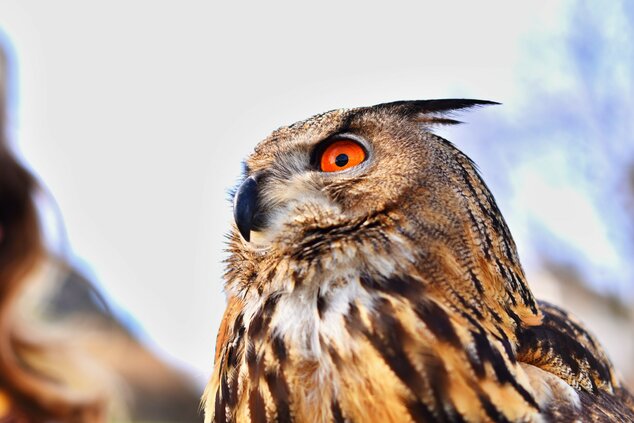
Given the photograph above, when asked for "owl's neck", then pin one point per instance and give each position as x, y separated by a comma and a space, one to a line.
483, 281
353, 345
346, 306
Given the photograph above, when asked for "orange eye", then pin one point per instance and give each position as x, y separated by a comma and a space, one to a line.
341, 155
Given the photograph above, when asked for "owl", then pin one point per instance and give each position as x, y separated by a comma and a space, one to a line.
372, 278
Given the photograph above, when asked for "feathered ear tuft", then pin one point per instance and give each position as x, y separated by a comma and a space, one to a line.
433, 111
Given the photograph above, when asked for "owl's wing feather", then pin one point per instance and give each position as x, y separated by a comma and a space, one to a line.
562, 347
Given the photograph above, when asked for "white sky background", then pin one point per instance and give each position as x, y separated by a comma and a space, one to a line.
136, 115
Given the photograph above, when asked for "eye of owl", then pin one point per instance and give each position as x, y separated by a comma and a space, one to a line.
338, 154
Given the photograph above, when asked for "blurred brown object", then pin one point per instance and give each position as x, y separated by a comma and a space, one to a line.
63, 356
154, 391
34, 393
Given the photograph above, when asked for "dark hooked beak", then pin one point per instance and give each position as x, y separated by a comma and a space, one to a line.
245, 205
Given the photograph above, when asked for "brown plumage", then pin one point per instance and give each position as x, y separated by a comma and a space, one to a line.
389, 290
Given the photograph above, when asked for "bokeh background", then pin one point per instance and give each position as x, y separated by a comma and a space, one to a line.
136, 116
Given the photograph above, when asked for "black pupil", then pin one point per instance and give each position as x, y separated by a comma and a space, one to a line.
341, 160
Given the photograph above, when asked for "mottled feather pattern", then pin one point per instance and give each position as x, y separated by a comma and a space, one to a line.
392, 292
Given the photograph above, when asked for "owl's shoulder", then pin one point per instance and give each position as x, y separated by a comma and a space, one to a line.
564, 358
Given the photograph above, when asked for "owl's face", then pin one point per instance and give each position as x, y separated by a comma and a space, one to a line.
341, 167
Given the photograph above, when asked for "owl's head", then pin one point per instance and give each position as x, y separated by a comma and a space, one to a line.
373, 188
350, 163
346, 165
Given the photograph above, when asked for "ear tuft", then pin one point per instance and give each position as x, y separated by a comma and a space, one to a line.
433, 112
